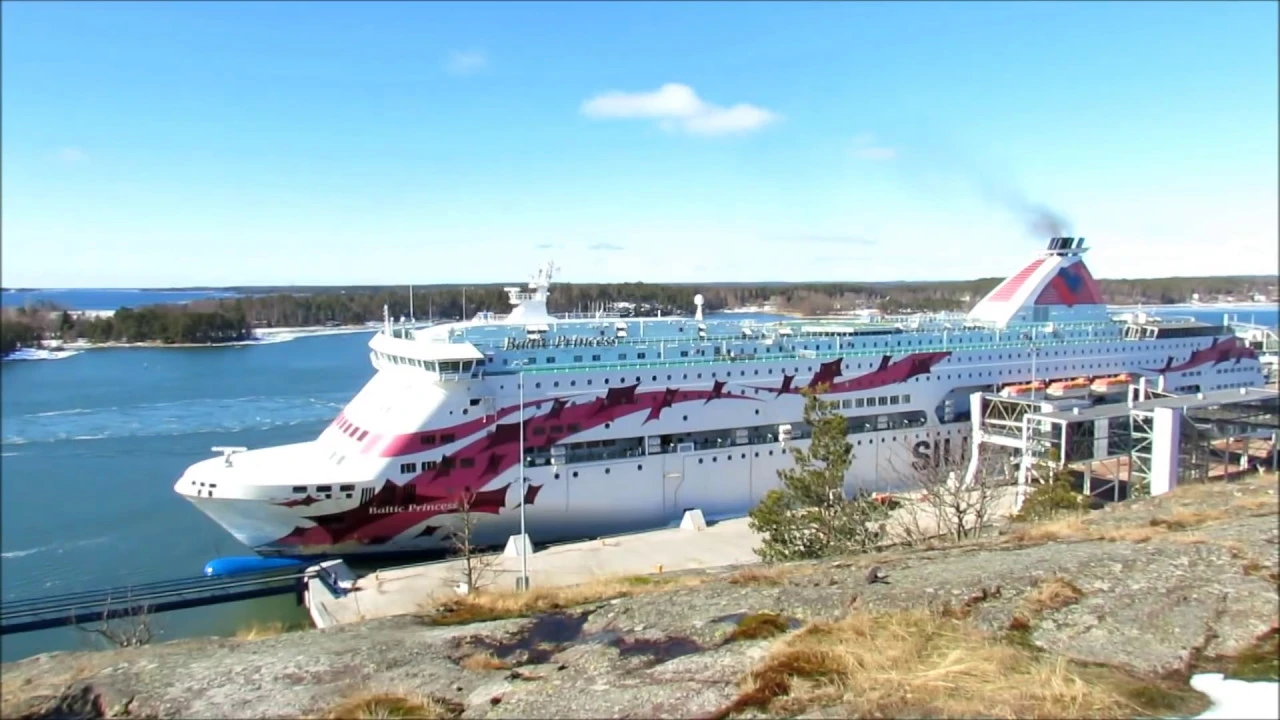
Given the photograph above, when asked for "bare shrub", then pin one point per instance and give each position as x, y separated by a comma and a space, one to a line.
477, 570
942, 504
133, 628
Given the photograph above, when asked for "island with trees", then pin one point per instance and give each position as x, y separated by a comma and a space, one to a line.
234, 319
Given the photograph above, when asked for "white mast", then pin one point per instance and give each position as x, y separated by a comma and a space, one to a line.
410, 304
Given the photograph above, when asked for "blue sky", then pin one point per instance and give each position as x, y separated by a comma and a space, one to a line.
154, 144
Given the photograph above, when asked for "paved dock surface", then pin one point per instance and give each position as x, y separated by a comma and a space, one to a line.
396, 591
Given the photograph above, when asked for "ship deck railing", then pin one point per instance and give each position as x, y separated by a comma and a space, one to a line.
750, 359
1040, 331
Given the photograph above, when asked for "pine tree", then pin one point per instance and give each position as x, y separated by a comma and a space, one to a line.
810, 516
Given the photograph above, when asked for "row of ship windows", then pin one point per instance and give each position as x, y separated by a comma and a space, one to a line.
918, 378
596, 450
444, 367
324, 492
539, 430
728, 457
623, 357
855, 345
810, 369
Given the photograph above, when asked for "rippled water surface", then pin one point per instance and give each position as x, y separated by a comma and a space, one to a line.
90, 446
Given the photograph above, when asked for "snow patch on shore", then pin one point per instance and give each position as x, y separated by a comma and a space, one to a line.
40, 354
1238, 699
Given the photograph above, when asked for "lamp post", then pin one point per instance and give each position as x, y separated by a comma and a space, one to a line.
522, 583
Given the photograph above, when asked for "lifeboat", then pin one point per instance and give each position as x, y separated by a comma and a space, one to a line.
1108, 384
1021, 389
1064, 386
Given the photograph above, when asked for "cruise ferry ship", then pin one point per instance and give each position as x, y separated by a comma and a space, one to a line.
625, 424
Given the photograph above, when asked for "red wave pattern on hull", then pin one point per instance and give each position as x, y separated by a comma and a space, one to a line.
437, 491
1224, 350
889, 372
396, 508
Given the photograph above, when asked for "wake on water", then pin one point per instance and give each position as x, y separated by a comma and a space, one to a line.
185, 417
45, 548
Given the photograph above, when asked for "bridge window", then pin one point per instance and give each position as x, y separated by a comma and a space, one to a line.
299, 489
409, 467
346, 488
447, 438
363, 434
428, 438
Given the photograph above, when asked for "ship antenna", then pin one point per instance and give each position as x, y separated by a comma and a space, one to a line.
410, 304
697, 301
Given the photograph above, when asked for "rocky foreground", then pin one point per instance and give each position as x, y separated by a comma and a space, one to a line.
1103, 615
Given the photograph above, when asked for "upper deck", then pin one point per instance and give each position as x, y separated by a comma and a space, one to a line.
530, 339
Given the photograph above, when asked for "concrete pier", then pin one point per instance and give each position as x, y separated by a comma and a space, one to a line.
397, 591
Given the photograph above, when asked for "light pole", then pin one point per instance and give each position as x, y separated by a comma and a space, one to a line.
522, 583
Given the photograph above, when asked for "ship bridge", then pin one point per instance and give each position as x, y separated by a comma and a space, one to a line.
448, 360
1055, 287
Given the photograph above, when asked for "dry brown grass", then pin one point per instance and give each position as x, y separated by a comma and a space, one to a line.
919, 664
1053, 594
1186, 518
1070, 528
1179, 516
500, 605
759, 626
760, 575
371, 706
482, 661
20, 688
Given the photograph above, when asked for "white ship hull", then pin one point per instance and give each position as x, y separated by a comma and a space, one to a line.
627, 426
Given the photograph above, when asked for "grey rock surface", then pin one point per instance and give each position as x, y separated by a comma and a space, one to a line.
1153, 606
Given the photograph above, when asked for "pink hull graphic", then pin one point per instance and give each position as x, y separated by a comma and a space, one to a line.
465, 471
629, 423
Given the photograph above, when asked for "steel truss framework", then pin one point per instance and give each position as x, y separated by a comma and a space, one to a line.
1112, 446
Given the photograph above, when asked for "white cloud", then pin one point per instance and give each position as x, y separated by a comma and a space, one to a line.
72, 155
466, 62
866, 147
678, 108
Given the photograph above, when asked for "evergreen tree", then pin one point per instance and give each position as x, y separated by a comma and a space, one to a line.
810, 516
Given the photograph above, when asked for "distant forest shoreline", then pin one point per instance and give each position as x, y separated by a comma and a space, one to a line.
234, 319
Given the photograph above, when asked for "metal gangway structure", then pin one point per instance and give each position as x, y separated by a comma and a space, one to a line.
104, 605
1263, 340
1147, 444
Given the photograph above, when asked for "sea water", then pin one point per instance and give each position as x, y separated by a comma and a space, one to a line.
92, 444
106, 299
